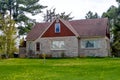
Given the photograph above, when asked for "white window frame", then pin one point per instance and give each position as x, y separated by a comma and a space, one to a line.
57, 25
30, 46
94, 42
58, 45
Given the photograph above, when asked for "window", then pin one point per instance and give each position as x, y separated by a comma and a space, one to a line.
90, 44
30, 46
57, 45
37, 46
57, 28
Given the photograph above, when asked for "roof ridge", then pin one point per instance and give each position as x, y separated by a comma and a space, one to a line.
87, 19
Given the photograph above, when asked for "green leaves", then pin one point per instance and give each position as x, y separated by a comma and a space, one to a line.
7, 39
18, 9
90, 15
113, 14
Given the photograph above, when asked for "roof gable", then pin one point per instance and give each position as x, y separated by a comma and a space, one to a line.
64, 30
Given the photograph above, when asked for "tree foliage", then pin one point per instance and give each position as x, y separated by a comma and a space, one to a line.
19, 9
113, 14
91, 15
65, 16
51, 14
8, 36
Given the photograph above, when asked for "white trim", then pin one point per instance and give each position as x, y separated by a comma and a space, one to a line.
58, 45
94, 44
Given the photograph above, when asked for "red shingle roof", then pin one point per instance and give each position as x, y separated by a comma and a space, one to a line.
36, 31
82, 28
90, 27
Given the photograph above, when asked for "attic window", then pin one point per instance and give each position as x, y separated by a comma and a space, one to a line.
57, 27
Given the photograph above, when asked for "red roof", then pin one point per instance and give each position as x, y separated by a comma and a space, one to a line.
37, 30
81, 28
90, 27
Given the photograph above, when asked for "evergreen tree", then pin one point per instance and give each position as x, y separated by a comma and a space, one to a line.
113, 14
19, 9
90, 15
51, 14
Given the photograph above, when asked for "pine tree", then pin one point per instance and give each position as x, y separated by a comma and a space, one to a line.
19, 9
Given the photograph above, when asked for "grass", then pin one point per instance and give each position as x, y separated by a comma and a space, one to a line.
60, 69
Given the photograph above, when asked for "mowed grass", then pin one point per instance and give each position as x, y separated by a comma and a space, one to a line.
60, 69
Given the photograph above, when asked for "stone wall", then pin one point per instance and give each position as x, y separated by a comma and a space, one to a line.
22, 52
71, 46
103, 51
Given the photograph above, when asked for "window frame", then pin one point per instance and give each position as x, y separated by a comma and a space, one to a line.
59, 48
30, 46
38, 44
96, 44
57, 25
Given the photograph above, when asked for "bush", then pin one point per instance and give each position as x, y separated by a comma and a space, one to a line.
45, 55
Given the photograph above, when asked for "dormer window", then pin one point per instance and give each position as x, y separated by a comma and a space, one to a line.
57, 27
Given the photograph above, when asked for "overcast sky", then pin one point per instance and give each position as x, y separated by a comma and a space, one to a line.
79, 8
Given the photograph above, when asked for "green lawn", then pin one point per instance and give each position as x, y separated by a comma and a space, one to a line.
60, 69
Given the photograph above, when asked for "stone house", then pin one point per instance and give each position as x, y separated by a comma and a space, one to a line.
76, 38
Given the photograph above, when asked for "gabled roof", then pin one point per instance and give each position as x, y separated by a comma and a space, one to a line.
81, 28
36, 31
90, 27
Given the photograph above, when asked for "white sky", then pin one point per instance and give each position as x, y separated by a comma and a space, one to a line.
79, 8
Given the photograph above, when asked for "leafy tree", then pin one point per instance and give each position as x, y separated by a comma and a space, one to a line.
65, 16
118, 1
51, 14
19, 9
8, 37
116, 38
113, 14
90, 15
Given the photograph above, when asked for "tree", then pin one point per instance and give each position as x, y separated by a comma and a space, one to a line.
118, 1
113, 14
90, 15
8, 37
51, 14
18, 10
65, 16
116, 37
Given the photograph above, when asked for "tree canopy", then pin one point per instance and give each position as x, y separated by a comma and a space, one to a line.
51, 14
113, 14
91, 15
19, 9
8, 36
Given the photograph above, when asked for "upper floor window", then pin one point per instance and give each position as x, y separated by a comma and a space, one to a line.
57, 27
